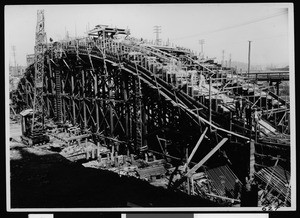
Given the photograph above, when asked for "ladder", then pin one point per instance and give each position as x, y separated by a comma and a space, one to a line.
58, 97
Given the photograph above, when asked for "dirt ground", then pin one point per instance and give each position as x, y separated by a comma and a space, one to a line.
40, 178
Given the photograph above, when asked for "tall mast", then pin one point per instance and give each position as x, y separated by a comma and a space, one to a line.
39, 49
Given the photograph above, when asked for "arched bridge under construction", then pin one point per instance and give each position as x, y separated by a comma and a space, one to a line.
140, 97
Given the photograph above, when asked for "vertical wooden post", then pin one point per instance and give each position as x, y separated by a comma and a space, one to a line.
277, 88
98, 152
63, 99
126, 108
209, 106
192, 186
144, 124
230, 124
187, 169
47, 96
111, 114
267, 106
256, 124
96, 101
73, 100
83, 99
260, 100
112, 152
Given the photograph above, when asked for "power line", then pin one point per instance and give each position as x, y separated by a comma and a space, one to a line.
243, 41
237, 25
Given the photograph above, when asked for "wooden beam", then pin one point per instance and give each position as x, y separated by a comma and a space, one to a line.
197, 166
96, 102
195, 148
224, 198
83, 99
252, 158
73, 100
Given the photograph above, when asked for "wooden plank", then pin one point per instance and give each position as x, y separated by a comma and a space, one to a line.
252, 158
195, 148
197, 166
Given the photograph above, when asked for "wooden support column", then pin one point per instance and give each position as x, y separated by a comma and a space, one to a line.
83, 99
275, 114
267, 101
277, 88
26, 93
47, 96
188, 188
230, 125
252, 158
96, 101
126, 107
111, 113
209, 106
144, 124
63, 102
73, 100
260, 100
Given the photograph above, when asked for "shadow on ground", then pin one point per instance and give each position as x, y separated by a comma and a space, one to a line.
48, 180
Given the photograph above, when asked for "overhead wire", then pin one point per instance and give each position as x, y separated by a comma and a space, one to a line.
234, 26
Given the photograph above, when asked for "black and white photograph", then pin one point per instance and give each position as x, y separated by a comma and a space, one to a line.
150, 107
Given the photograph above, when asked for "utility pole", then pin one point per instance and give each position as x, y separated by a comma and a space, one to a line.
157, 31
223, 52
201, 42
249, 50
229, 60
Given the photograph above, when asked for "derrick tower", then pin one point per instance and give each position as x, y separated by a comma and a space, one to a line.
39, 50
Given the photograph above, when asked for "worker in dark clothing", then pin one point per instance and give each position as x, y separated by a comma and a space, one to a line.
248, 112
244, 105
237, 189
237, 107
241, 108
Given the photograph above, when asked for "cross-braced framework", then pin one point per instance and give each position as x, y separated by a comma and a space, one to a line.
39, 49
104, 97
147, 98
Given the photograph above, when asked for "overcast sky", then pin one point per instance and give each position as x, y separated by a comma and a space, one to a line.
223, 27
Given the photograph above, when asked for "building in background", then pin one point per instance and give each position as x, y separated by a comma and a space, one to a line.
29, 59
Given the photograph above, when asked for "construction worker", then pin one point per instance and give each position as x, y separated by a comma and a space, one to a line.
241, 107
248, 112
244, 105
237, 189
257, 115
237, 107
257, 118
